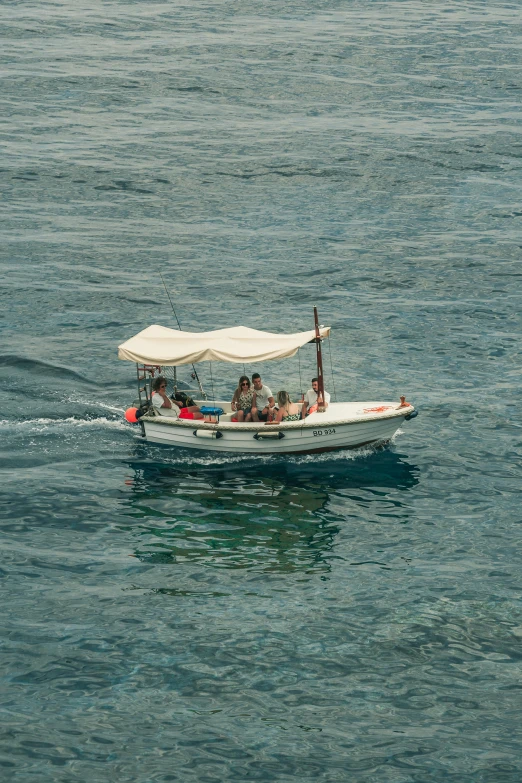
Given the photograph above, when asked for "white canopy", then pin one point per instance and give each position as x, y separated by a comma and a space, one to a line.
169, 347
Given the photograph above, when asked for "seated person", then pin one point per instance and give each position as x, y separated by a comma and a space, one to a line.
288, 410
310, 399
160, 400
242, 400
263, 404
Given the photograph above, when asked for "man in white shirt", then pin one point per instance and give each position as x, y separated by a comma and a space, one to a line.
310, 399
263, 399
159, 396
161, 400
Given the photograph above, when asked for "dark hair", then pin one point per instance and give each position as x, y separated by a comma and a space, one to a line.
315, 379
255, 375
158, 382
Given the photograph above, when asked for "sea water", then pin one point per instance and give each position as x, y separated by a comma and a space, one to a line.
174, 616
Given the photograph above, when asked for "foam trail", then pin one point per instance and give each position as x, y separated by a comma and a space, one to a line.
43, 424
94, 403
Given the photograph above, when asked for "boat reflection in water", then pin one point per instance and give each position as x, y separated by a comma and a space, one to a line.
278, 516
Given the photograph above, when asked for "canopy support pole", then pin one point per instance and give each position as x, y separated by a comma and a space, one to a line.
300, 378
320, 376
211, 383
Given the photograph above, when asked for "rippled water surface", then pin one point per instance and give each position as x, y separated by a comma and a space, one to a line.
172, 616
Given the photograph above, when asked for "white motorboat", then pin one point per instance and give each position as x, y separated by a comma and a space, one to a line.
339, 425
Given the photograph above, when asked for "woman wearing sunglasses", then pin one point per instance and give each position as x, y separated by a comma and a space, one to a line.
161, 400
242, 400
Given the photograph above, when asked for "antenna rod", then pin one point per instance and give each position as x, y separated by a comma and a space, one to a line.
170, 300
179, 327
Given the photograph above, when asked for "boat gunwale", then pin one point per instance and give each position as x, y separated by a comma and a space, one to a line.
259, 427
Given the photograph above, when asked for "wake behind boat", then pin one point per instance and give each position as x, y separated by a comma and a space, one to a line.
338, 425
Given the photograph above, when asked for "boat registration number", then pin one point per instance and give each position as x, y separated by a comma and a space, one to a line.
324, 432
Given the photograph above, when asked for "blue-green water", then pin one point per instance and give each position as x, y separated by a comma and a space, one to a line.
169, 616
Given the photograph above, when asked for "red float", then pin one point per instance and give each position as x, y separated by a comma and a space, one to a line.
130, 415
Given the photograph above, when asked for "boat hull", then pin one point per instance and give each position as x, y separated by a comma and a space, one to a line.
321, 432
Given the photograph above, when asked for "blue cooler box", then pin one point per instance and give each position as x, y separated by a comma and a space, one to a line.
211, 413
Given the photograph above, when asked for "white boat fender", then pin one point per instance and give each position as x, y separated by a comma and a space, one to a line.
269, 434
208, 434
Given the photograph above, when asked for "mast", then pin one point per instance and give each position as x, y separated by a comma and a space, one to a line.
320, 376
